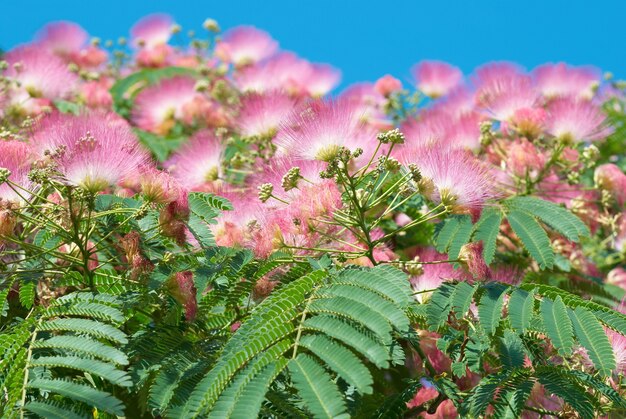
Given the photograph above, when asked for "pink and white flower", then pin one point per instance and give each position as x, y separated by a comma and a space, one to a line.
198, 163
261, 114
92, 150
437, 78
245, 45
318, 131
559, 80
576, 120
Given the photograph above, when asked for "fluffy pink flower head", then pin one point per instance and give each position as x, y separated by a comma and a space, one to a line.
320, 79
92, 150
575, 120
245, 45
387, 85
183, 289
318, 131
152, 30
428, 130
554, 80
524, 159
437, 78
460, 180
39, 73
62, 38
465, 131
286, 71
158, 107
611, 178
503, 97
434, 274
17, 157
199, 161
261, 114
368, 104
494, 73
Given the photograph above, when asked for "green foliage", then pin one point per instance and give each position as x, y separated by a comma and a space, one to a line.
316, 329
64, 351
524, 214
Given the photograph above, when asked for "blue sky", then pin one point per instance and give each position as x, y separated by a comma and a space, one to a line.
367, 39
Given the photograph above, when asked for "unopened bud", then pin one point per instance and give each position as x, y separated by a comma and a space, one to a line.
265, 192
393, 136
291, 178
211, 25
4, 174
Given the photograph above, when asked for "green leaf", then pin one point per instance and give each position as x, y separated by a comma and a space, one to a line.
462, 235
160, 146
554, 215
487, 229
558, 325
86, 326
316, 388
27, 294
92, 366
439, 306
51, 410
559, 384
490, 307
511, 350
84, 345
373, 350
591, 335
355, 311
253, 395
89, 395
341, 360
462, 298
65, 106
533, 237
446, 234
521, 306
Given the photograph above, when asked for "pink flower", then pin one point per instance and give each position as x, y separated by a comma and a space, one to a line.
429, 130
39, 73
97, 93
288, 72
558, 80
611, 178
503, 97
576, 120
181, 286
495, 72
245, 45
152, 30
619, 243
157, 107
17, 157
524, 159
199, 161
387, 85
460, 180
62, 38
617, 276
321, 129
93, 150
437, 78
434, 274
261, 114
465, 131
